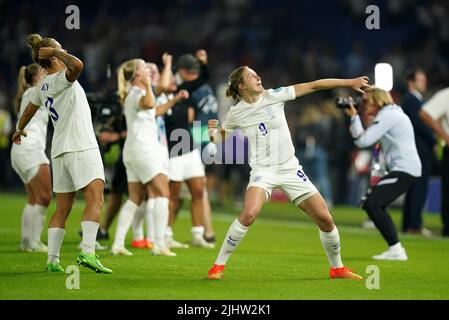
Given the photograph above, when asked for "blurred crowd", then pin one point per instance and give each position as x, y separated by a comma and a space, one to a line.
286, 42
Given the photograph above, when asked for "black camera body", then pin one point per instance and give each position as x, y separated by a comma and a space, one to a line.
344, 103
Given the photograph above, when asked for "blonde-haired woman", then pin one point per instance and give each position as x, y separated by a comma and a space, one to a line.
76, 158
142, 154
393, 129
30, 162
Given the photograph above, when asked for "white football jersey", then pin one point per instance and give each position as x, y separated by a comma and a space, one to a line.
36, 129
67, 105
142, 135
265, 125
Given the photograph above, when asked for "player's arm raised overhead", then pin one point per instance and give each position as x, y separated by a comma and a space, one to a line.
73, 64
357, 84
166, 74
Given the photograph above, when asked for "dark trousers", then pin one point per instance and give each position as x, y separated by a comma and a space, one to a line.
379, 197
445, 192
415, 199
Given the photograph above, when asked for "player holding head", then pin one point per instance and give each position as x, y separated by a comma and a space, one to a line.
30, 162
260, 113
142, 154
77, 163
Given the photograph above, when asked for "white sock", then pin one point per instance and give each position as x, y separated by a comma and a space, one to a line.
124, 222
38, 222
27, 223
169, 232
90, 229
55, 237
137, 223
331, 244
160, 221
197, 232
396, 247
235, 234
149, 219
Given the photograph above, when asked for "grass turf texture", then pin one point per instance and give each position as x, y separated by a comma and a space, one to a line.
278, 259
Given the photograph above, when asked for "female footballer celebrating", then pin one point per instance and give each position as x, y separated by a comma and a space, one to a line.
77, 163
143, 154
30, 162
260, 113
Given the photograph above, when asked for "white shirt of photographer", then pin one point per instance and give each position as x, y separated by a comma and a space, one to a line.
67, 105
438, 108
265, 125
142, 135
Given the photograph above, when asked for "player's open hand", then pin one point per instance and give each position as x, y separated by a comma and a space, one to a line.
360, 84
46, 53
17, 136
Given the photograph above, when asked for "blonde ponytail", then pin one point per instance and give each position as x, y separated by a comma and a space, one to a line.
22, 85
25, 81
125, 74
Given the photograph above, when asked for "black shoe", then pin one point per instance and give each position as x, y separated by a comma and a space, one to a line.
210, 239
102, 235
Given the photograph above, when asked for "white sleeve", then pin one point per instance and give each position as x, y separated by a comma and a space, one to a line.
61, 81
438, 105
35, 96
366, 138
229, 124
282, 94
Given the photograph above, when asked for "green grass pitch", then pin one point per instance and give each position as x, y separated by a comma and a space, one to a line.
279, 259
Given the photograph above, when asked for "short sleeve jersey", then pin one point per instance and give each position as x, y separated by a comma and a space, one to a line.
142, 135
37, 127
67, 105
265, 125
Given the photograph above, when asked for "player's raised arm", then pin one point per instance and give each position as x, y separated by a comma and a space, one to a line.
357, 84
148, 101
73, 64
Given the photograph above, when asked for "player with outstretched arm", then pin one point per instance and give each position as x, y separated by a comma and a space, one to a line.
260, 113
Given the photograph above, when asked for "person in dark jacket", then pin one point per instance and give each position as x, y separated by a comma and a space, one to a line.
416, 196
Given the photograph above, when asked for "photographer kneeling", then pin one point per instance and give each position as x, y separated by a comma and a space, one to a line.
394, 131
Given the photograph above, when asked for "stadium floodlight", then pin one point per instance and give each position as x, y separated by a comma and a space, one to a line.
383, 74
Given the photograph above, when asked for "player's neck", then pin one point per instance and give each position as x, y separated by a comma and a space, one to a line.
251, 97
54, 69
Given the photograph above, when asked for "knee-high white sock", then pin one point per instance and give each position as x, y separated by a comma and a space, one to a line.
138, 221
55, 237
27, 223
160, 221
124, 222
235, 234
331, 244
149, 219
90, 229
38, 222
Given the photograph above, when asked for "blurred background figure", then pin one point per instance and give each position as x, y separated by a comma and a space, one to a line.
416, 196
435, 114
